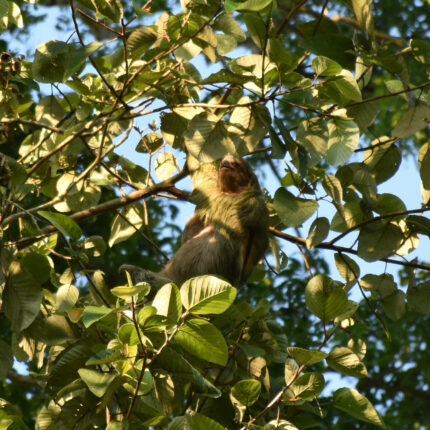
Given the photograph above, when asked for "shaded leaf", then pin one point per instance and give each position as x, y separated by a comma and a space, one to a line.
246, 391
63, 223
308, 386
345, 361
306, 356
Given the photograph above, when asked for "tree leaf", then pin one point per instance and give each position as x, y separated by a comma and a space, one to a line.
424, 163
22, 297
419, 298
313, 135
66, 297
165, 166
415, 119
207, 295
94, 313
293, 211
324, 298
394, 305
347, 268
324, 66
306, 356
256, 28
38, 265
122, 229
63, 224
51, 61
167, 301
378, 240
343, 139
318, 231
363, 13
97, 382
308, 386
6, 359
356, 405
194, 422
126, 292
202, 339
246, 391
345, 361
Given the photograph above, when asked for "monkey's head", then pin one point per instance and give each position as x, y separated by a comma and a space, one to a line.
234, 175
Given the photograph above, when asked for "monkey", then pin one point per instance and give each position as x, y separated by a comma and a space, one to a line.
227, 234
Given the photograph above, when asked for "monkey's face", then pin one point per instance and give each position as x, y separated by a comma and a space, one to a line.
234, 175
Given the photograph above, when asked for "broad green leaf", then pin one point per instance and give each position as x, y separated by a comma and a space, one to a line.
206, 138
194, 422
165, 166
63, 224
207, 295
378, 240
384, 284
247, 5
424, 163
79, 56
278, 147
126, 292
383, 160
324, 66
341, 89
6, 359
280, 425
342, 141
279, 55
306, 356
225, 44
333, 188
105, 356
363, 13
421, 50
358, 346
151, 141
293, 211
414, 120
51, 61
394, 305
97, 382
125, 226
246, 391
418, 224
318, 231
419, 298
22, 297
313, 135
308, 386
202, 339
364, 114
388, 204
111, 10
127, 335
146, 381
4, 8
347, 268
345, 361
356, 405
94, 313
325, 298
141, 38
256, 29
227, 24
66, 297
290, 370
94, 246
38, 265
167, 301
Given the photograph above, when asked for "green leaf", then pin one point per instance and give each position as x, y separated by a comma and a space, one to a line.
345, 361
356, 405
141, 38
97, 382
127, 335
384, 284
347, 268
246, 391
125, 225
78, 57
318, 231
324, 66
94, 313
293, 211
165, 166
38, 265
421, 50
247, 5
207, 295
6, 359
308, 386
333, 188
194, 422
4, 8
342, 141
290, 371
383, 160
202, 339
418, 224
66, 297
324, 298
206, 138
228, 25
424, 164
256, 29
63, 224
279, 55
278, 147
363, 13
313, 135
111, 10
126, 292
394, 305
378, 240
22, 297
51, 61
167, 301
419, 298
414, 120
306, 356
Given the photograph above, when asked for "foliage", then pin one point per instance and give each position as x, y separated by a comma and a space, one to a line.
325, 98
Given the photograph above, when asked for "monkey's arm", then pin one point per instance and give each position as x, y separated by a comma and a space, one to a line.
141, 275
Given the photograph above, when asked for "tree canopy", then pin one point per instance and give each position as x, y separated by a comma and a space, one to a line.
328, 101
